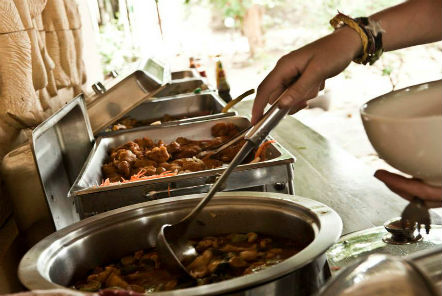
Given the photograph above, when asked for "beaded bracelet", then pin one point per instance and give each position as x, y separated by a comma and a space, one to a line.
370, 33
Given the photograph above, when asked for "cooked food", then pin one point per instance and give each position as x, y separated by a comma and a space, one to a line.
144, 159
220, 257
129, 122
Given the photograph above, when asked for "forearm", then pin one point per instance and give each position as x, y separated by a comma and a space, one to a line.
410, 23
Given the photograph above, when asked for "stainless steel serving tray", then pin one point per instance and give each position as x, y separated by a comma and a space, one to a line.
183, 86
91, 199
177, 106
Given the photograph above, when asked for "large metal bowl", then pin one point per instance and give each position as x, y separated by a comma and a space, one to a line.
66, 255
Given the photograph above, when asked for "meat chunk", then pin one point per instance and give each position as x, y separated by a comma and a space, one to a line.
189, 151
224, 129
192, 164
134, 148
140, 163
212, 163
111, 172
173, 147
200, 266
229, 153
145, 143
158, 154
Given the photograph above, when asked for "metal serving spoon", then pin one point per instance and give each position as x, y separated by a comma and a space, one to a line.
172, 240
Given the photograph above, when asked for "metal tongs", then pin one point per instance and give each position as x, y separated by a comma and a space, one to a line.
416, 212
172, 241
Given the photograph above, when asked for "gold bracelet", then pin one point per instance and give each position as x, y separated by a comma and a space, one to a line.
340, 20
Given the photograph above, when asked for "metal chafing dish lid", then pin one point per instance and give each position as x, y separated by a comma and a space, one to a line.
60, 146
111, 104
353, 246
156, 68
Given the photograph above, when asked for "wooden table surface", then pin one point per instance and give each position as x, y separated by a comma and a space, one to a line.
328, 174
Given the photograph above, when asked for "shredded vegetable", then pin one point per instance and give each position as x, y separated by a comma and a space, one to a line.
138, 177
260, 152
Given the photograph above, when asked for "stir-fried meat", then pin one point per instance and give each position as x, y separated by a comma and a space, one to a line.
219, 258
224, 129
145, 143
229, 153
158, 154
189, 150
144, 162
174, 147
144, 157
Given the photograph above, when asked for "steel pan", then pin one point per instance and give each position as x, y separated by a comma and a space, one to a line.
62, 257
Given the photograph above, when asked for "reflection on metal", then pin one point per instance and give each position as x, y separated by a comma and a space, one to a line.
110, 105
398, 235
354, 246
98, 88
60, 145
385, 275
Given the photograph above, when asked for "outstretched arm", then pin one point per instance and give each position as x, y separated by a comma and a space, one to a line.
304, 71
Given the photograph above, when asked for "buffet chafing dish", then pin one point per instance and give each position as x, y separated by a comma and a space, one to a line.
274, 174
62, 257
193, 106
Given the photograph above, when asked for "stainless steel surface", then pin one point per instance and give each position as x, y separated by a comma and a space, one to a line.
400, 235
112, 74
177, 106
91, 199
354, 246
155, 68
98, 88
67, 254
381, 275
416, 212
121, 98
60, 146
184, 86
429, 263
185, 74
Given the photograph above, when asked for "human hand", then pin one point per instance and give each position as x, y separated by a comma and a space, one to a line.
411, 187
303, 72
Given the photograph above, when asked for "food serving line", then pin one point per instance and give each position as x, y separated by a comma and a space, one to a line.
74, 143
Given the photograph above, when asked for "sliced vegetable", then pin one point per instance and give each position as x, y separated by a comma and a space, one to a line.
260, 152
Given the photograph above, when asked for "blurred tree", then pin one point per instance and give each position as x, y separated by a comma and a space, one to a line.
247, 15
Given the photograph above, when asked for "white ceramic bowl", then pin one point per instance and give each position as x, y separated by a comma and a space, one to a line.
405, 128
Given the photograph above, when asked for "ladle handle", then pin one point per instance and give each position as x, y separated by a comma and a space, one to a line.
253, 138
248, 146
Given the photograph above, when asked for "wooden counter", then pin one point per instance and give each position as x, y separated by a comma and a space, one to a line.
328, 174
